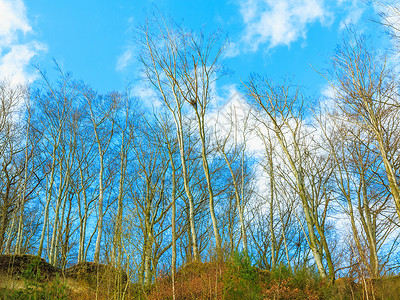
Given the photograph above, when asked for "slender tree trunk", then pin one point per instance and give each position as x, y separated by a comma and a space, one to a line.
82, 238
59, 234
22, 195
117, 245
4, 219
20, 224
390, 173
148, 245
237, 198
284, 236
83, 219
173, 220
65, 243
218, 242
56, 217
49, 194
117, 248
304, 200
313, 239
45, 222
64, 186
196, 254
271, 216
100, 209
365, 215
7, 247
241, 208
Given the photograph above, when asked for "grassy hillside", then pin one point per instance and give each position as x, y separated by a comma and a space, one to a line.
29, 277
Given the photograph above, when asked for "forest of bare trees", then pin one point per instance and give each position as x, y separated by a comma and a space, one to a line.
287, 180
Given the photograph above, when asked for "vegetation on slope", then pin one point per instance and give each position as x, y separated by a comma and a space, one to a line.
29, 277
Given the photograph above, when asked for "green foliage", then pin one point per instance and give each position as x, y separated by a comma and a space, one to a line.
32, 272
35, 285
241, 279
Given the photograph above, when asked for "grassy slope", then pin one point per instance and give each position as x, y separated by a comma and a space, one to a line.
29, 277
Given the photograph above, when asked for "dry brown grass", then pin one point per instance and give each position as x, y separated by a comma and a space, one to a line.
193, 281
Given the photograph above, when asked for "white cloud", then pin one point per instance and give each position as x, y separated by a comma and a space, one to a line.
16, 49
124, 60
279, 22
354, 9
146, 94
389, 12
13, 19
232, 50
13, 64
234, 118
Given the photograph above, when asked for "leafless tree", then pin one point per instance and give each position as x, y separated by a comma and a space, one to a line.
366, 92
102, 112
282, 112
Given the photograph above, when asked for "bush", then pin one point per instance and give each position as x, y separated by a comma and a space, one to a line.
241, 279
285, 284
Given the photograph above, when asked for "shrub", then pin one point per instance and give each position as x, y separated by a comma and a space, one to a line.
241, 279
304, 283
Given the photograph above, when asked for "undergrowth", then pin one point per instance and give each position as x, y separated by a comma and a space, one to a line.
36, 286
233, 278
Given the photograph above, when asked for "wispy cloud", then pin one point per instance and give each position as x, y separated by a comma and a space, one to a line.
127, 58
232, 50
13, 64
124, 60
389, 12
276, 22
12, 19
354, 11
16, 48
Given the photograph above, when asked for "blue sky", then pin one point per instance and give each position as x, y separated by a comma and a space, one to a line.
95, 39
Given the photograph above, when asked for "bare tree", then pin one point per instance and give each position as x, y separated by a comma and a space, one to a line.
360, 190
231, 144
85, 198
172, 148
11, 162
53, 113
198, 71
366, 92
389, 17
102, 110
282, 112
161, 60
148, 192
